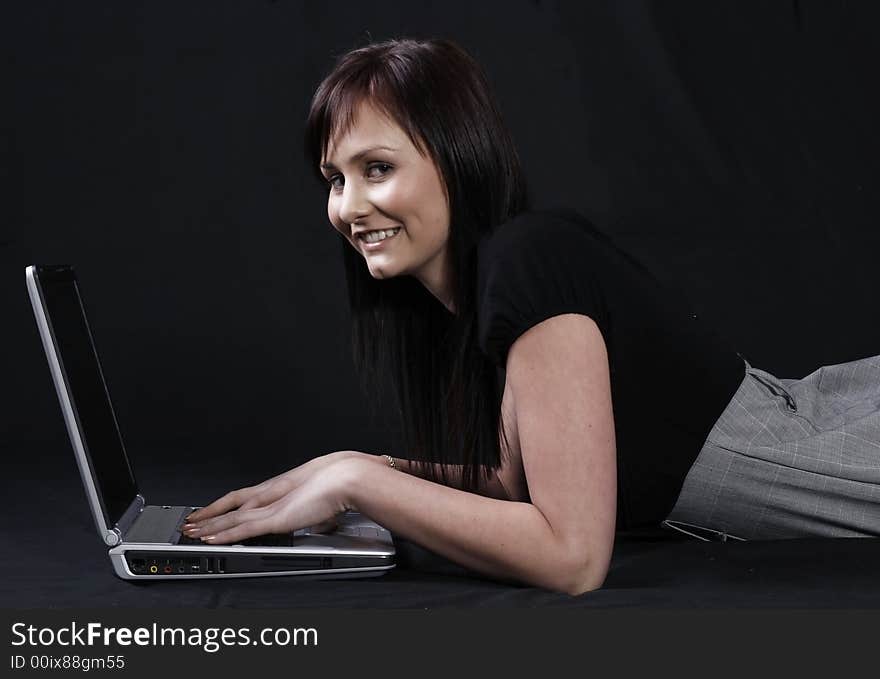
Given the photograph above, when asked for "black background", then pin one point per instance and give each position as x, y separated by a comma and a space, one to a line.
157, 147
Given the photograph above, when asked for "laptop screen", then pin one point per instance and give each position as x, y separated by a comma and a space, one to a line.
87, 390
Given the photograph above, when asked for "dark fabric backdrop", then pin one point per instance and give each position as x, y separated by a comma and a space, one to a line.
157, 147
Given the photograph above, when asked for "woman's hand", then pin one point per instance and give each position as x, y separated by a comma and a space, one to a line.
311, 495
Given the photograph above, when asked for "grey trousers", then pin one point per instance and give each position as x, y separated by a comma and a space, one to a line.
790, 458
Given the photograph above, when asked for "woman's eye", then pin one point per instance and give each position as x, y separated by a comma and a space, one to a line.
335, 181
378, 170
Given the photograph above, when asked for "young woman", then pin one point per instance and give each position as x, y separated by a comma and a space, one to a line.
551, 390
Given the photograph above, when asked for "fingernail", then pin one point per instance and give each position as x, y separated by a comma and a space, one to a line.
207, 538
188, 526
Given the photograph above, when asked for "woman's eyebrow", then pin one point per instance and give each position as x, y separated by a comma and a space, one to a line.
357, 156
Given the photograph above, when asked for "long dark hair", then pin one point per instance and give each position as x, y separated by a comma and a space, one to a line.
446, 391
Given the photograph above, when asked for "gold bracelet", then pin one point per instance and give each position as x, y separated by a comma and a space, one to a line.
390, 460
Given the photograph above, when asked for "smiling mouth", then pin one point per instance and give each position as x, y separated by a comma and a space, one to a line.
371, 237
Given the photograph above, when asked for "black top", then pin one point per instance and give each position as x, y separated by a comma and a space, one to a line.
671, 374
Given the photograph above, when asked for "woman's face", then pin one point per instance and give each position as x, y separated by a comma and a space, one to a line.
381, 185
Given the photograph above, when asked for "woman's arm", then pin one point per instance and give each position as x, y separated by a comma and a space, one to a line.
563, 539
506, 540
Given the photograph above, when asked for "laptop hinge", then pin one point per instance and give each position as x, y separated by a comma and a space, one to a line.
115, 535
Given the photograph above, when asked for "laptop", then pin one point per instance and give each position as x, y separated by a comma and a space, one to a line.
145, 540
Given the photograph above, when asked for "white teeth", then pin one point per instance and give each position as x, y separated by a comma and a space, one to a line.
376, 236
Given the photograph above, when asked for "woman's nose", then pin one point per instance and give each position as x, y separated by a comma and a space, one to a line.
354, 204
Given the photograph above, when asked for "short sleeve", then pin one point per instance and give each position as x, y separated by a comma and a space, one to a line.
532, 268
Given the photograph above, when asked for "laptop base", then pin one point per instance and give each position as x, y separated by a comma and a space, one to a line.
151, 562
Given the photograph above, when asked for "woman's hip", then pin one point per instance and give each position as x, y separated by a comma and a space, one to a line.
791, 458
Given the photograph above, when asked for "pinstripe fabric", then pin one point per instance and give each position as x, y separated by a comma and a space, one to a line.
790, 458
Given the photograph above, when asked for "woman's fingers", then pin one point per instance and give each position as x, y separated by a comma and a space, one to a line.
229, 520
262, 494
230, 501
243, 498
284, 503
251, 497
240, 531
272, 493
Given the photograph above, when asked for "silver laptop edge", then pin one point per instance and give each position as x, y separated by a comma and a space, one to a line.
111, 536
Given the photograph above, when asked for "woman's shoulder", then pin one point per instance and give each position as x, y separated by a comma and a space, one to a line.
534, 266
